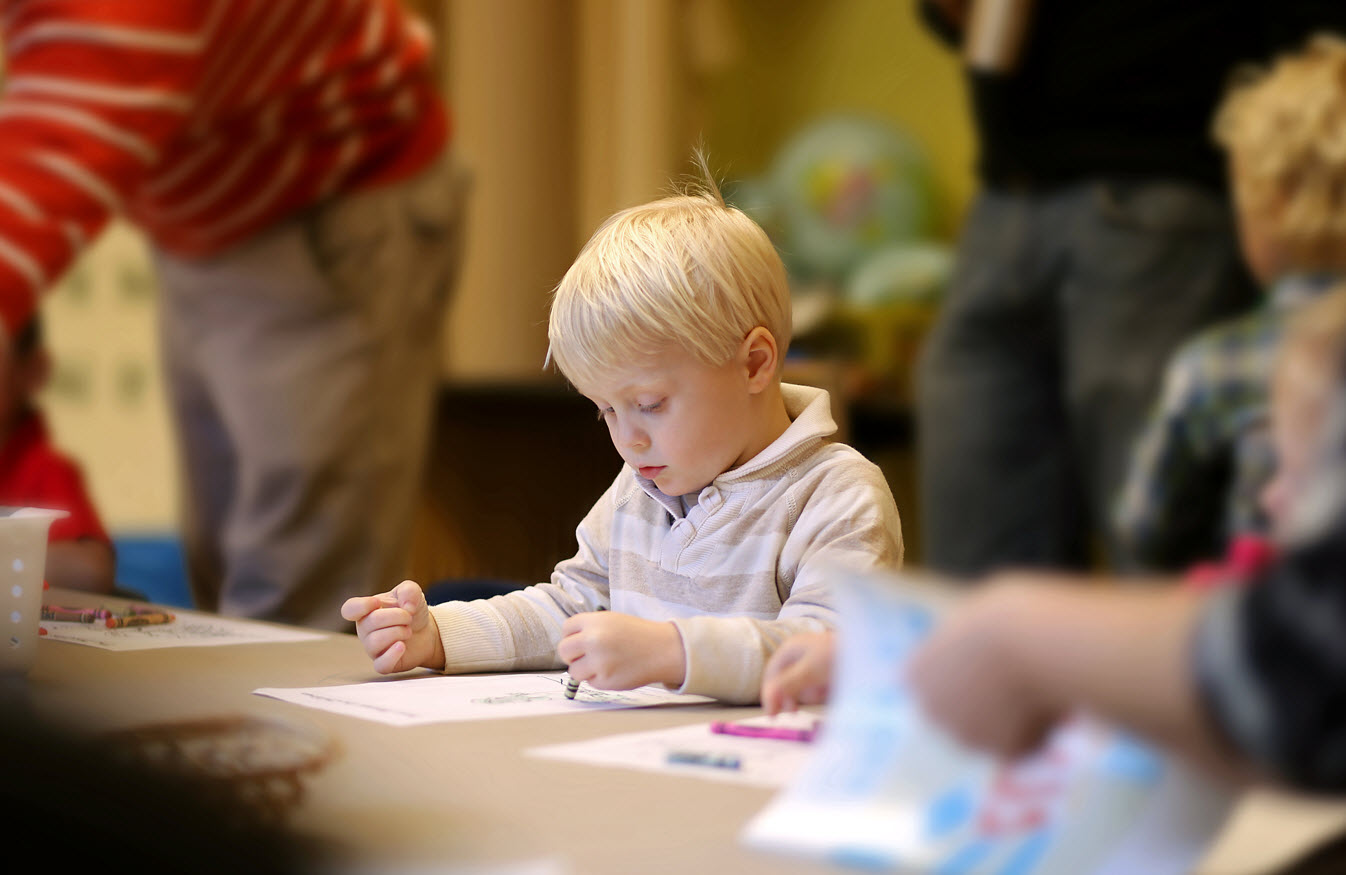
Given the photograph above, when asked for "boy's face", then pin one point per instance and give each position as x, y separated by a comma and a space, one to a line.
1296, 413
1257, 224
678, 421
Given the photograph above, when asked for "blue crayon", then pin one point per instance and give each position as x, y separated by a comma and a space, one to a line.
702, 758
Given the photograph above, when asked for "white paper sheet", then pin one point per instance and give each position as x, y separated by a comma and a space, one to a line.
442, 699
763, 762
886, 788
187, 630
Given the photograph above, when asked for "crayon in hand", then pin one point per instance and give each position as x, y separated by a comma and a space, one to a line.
572, 687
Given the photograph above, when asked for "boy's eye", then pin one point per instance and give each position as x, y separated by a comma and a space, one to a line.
651, 408
603, 412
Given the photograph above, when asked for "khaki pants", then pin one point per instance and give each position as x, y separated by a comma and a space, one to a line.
301, 369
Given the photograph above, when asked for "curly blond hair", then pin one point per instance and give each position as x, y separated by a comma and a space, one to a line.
687, 271
1285, 128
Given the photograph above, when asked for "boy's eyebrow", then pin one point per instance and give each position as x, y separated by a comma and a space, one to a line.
634, 387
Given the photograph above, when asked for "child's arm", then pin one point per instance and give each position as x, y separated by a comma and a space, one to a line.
396, 628
85, 564
1023, 652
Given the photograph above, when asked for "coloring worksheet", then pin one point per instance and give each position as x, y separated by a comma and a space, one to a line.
699, 751
187, 629
441, 699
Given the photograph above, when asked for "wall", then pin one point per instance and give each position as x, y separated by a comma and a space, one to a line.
797, 61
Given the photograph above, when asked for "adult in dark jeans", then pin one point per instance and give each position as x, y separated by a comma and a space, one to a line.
1102, 237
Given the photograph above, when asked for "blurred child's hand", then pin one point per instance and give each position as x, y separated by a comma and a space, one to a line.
970, 680
397, 629
799, 672
614, 651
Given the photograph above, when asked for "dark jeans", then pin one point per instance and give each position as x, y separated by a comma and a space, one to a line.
1062, 313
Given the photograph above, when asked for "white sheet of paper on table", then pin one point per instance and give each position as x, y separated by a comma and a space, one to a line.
413, 701
763, 762
888, 789
188, 629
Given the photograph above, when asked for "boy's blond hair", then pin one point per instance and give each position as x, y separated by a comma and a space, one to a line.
1311, 355
687, 271
1286, 130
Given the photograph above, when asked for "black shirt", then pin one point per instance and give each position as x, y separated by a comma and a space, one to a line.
1125, 88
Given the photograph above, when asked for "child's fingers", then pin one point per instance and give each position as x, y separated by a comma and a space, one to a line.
376, 641
570, 649
390, 660
581, 670
383, 618
771, 699
789, 683
776, 699
815, 694
354, 609
409, 595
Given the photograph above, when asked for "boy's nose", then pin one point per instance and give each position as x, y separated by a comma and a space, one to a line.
633, 437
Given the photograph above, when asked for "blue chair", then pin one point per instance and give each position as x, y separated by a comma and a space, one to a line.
151, 568
466, 589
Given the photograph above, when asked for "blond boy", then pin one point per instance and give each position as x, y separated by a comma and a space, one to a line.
712, 544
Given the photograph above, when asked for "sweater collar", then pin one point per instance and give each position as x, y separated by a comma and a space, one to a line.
810, 412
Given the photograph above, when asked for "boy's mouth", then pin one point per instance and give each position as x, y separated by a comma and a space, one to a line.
651, 473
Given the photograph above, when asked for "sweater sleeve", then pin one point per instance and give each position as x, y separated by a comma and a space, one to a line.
519, 631
92, 92
846, 518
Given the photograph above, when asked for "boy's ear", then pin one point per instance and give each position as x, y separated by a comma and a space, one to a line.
761, 358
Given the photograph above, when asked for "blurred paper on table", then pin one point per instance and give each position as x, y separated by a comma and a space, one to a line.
885, 788
763, 762
188, 629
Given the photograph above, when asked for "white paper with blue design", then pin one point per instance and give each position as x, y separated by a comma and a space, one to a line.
885, 789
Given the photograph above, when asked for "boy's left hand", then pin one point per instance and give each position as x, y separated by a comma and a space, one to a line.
612, 651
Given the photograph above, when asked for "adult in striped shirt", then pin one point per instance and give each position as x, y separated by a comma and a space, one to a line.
286, 159
719, 537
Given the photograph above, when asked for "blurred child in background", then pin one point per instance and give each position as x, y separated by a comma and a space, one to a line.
1198, 469
714, 542
33, 473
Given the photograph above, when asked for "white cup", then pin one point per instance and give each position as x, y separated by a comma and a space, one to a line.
23, 559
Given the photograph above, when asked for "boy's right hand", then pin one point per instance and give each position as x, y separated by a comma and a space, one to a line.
397, 629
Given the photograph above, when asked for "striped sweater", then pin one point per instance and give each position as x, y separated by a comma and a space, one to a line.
201, 121
737, 568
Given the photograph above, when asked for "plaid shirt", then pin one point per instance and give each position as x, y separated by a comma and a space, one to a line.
1202, 460
1270, 659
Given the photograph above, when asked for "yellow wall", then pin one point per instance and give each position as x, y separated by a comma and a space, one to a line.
795, 61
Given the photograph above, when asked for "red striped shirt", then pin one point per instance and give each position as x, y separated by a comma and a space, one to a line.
201, 121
